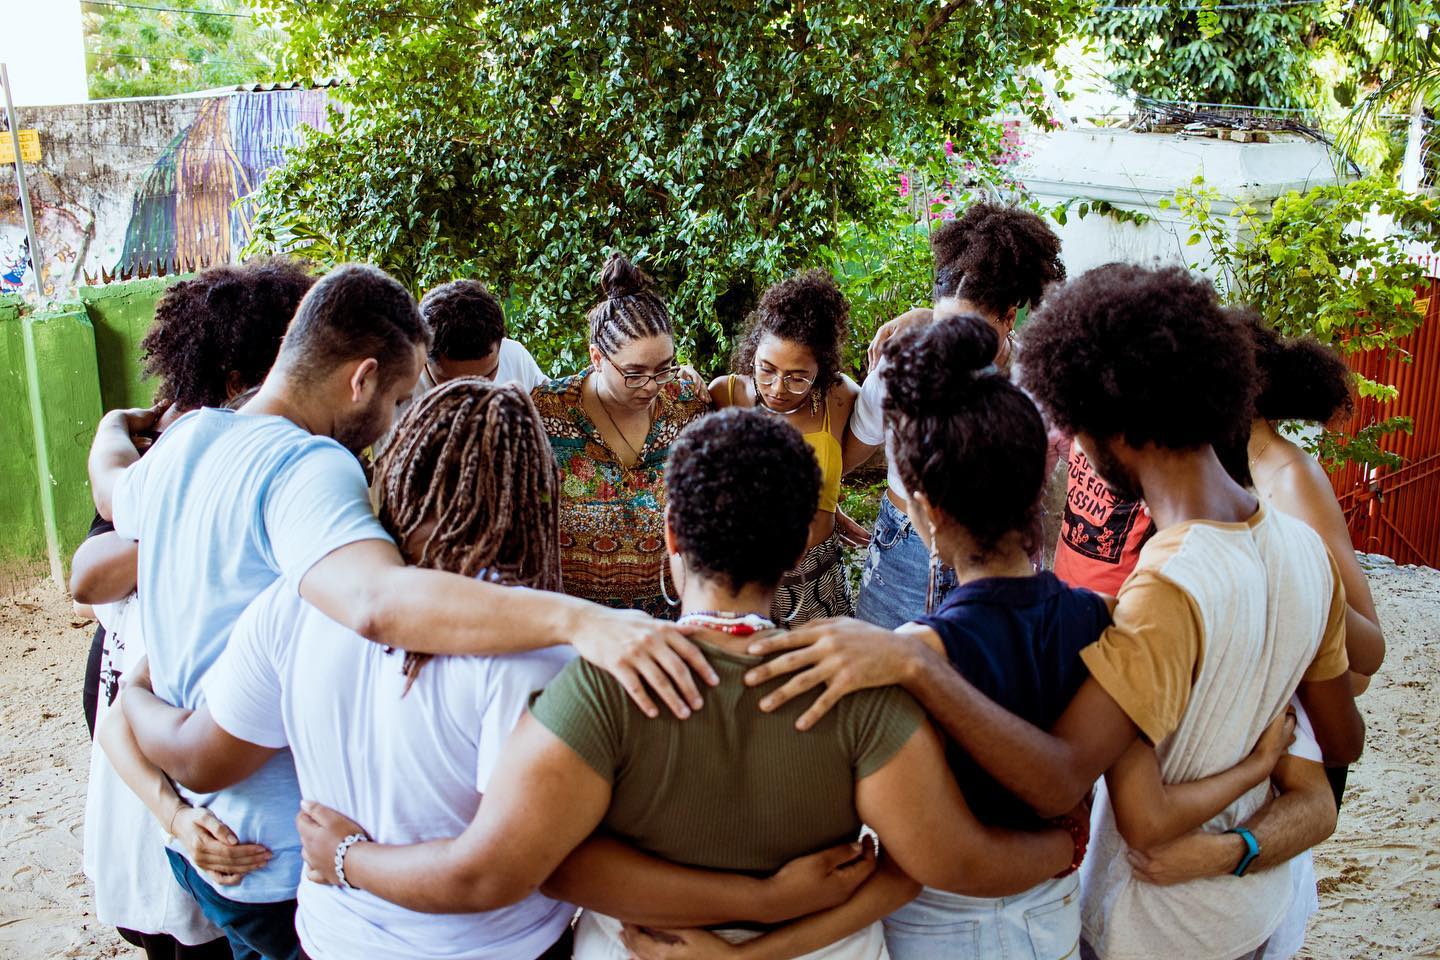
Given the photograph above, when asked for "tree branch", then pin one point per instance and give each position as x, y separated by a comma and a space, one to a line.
940, 18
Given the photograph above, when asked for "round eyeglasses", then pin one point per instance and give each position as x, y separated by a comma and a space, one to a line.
793, 382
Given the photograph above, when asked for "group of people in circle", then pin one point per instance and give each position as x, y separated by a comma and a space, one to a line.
571, 667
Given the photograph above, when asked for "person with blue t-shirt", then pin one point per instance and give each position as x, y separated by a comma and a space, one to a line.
228, 502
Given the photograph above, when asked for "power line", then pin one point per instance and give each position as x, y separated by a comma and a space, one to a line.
1192, 7
152, 56
142, 6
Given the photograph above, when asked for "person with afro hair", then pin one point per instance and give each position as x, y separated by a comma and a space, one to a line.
214, 338
788, 363
1230, 609
993, 262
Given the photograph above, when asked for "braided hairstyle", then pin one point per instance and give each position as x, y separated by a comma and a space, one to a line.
630, 309
996, 257
965, 436
807, 308
472, 457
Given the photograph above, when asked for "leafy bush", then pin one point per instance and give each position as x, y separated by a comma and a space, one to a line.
722, 147
1331, 261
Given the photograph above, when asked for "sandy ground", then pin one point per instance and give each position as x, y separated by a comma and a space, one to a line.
1379, 874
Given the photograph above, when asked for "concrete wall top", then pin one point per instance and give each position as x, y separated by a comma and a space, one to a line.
1137, 169
122, 314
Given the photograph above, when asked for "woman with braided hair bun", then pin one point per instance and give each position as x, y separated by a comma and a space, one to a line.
408, 742
611, 427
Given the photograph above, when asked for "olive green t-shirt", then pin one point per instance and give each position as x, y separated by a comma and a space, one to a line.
731, 788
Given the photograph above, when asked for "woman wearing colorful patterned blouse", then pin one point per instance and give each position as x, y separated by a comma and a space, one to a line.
610, 428
789, 358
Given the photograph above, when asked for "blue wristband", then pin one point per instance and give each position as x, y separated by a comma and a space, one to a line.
1252, 849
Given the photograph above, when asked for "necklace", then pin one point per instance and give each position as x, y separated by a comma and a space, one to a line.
618, 432
724, 621
1256, 459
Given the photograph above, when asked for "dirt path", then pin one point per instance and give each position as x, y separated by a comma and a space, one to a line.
1379, 874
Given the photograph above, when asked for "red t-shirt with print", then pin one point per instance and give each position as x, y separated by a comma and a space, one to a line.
1101, 536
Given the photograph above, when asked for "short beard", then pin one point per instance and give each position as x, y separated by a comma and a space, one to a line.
1121, 480
363, 428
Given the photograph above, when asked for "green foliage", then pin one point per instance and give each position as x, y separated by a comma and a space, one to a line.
1084, 206
137, 52
1330, 262
722, 146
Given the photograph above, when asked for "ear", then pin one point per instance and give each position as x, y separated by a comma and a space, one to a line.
595, 356
364, 380
670, 546
233, 386
1007, 319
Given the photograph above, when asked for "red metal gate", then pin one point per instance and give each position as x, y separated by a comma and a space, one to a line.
1397, 512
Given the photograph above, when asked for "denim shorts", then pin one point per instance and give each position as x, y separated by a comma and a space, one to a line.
1043, 923
897, 572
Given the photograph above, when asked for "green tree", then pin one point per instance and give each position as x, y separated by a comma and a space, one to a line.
721, 145
139, 50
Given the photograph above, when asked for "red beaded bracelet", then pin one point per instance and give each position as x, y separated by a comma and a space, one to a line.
1079, 835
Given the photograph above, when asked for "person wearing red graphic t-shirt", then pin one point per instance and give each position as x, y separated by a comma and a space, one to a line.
1101, 536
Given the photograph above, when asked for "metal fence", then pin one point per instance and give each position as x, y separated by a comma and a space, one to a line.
1397, 512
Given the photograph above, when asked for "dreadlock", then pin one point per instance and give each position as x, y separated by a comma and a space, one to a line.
630, 310
472, 457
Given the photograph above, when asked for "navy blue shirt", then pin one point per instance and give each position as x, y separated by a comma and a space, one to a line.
1018, 640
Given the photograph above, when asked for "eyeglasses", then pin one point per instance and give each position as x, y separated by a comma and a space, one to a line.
794, 382
636, 381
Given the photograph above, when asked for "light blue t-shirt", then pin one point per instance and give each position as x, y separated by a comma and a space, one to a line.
224, 505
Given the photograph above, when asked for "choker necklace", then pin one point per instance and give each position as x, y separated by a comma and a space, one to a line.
723, 621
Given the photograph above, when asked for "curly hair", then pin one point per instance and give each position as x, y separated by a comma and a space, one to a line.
221, 331
807, 308
473, 457
996, 257
742, 489
629, 310
1147, 355
965, 436
466, 321
1300, 377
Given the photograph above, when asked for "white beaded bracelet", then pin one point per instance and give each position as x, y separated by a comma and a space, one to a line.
342, 848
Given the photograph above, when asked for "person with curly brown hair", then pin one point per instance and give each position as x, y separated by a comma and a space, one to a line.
789, 355
994, 262
1232, 608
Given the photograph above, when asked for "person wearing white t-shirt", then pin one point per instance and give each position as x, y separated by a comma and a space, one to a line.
468, 326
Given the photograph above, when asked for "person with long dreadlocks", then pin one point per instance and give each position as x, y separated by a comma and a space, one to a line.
790, 358
611, 427
407, 741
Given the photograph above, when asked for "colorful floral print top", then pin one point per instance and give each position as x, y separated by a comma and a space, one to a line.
612, 517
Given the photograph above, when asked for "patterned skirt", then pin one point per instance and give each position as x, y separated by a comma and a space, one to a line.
817, 587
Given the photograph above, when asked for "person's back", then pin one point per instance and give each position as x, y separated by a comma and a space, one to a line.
1266, 606
411, 759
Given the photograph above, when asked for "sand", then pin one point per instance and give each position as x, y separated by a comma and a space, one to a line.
1379, 874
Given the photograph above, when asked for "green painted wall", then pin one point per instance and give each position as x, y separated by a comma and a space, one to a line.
121, 314
22, 527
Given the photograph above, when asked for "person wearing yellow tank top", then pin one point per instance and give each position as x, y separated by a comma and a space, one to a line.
788, 363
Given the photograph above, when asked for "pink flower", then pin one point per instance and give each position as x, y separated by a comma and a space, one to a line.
904, 185
949, 149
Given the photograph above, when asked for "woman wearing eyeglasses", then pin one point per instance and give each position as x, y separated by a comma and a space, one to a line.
611, 427
789, 358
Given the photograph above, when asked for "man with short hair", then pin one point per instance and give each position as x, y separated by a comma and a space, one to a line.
467, 325
226, 503
1230, 608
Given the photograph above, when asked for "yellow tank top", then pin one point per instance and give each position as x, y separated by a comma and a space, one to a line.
828, 454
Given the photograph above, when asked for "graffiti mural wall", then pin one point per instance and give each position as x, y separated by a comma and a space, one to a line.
148, 185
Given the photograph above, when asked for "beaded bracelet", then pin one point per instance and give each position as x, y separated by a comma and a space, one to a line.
1079, 836
342, 848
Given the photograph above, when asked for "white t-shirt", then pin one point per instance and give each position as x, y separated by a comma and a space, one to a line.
867, 423
224, 505
409, 767
124, 846
1289, 937
516, 366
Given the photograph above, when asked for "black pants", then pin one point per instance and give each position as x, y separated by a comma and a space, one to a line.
162, 946
90, 695
1337, 777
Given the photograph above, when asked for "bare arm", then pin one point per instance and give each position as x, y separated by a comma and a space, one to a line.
1302, 816
1051, 772
1150, 812
367, 587
544, 801
104, 569
1339, 728
884, 893
113, 450
613, 878
1302, 490
915, 806
189, 744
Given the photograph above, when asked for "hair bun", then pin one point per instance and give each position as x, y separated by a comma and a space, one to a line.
938, 365
620, 278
